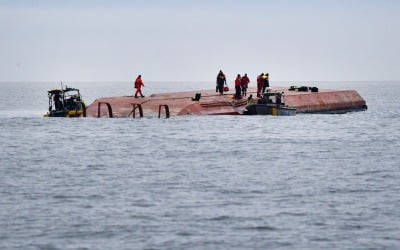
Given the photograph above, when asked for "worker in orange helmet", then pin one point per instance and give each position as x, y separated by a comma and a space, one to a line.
138, 86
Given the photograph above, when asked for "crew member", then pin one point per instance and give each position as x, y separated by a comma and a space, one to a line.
278, 98
245, 84
250, 99
259, 84
265, 81
138, 86
57, 101
238, 82
221, 80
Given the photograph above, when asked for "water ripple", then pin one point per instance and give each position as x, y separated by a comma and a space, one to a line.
211, 182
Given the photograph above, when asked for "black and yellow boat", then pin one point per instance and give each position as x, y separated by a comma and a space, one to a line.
65, 102
270, 103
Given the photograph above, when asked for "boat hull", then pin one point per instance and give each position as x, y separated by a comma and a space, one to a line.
65, 113
269, 109
210, 103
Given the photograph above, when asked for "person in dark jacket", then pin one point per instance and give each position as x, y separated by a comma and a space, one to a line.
221, 80
265, 82
57, 101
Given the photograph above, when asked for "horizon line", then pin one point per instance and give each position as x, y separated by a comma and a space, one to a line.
179, 81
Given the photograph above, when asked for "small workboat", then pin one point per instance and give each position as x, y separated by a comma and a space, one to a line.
270, 103
65, 102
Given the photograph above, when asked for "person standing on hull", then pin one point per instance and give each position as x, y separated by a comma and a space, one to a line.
265, 81
238, 82
245, 84
138, 85
259, 84
221, 80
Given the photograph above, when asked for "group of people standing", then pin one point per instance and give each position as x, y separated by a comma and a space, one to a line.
242, 83
262, 83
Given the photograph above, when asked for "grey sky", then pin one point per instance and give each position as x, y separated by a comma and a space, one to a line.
192, 40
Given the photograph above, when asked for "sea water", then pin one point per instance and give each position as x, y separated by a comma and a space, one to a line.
309, 181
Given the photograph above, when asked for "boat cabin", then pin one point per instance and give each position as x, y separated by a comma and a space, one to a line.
272, 98
66, 102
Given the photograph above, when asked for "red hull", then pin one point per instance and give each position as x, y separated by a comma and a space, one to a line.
212, 103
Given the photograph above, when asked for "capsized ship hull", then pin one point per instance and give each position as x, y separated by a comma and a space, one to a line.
212, 103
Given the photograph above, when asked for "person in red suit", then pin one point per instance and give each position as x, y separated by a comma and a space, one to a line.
245, 84
238, 82
138, 86
259, 84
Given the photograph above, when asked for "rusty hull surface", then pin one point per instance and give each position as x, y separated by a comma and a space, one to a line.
212, 103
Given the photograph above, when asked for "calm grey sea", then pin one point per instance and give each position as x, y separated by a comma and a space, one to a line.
209, 182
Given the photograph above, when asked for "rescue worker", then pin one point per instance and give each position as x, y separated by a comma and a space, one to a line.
221, 80
259, 84
250, 99
57, 101
238, 82
245, 84
278, 99
138, 86
265, 81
